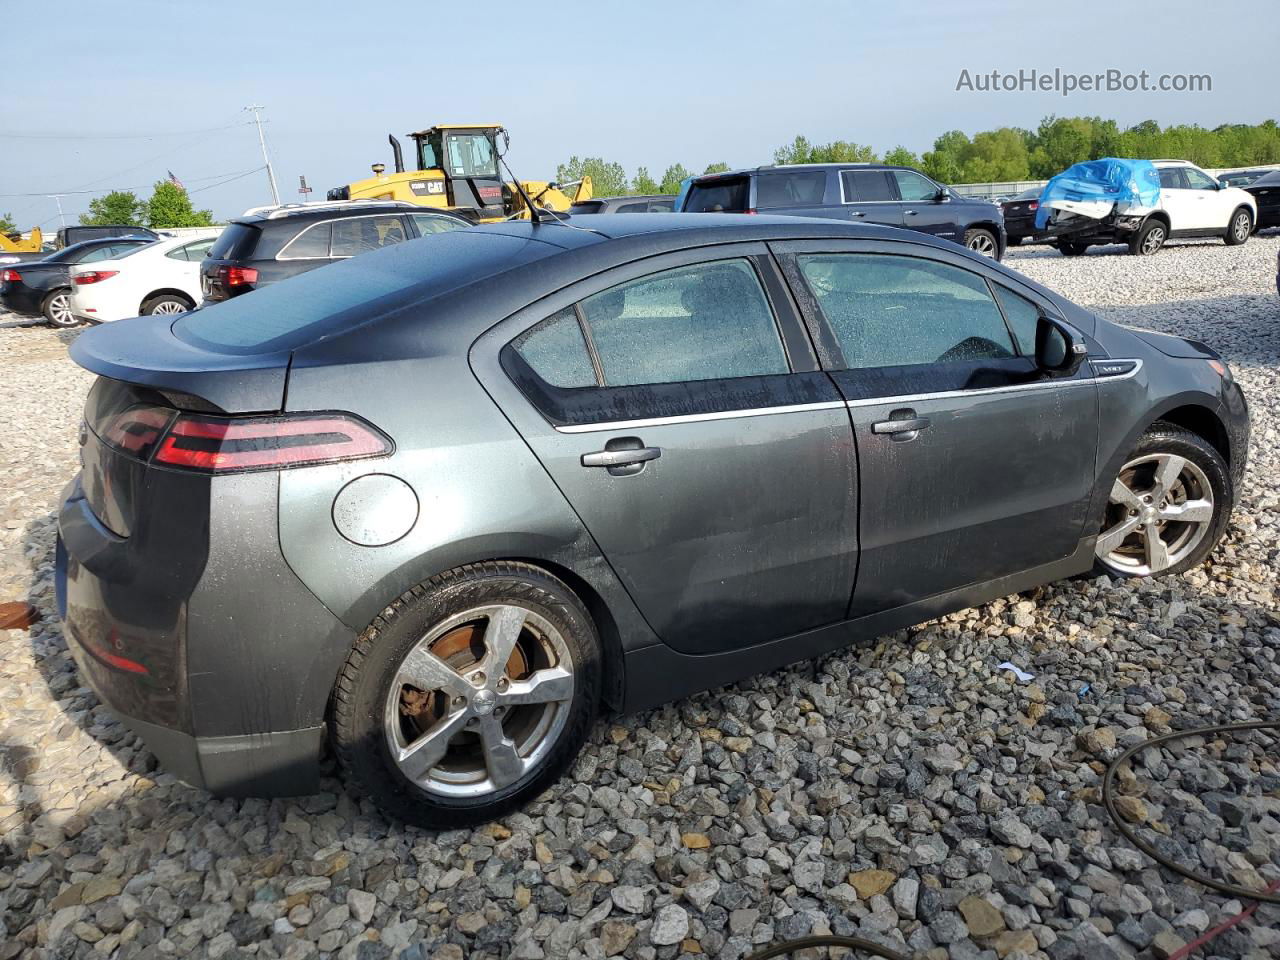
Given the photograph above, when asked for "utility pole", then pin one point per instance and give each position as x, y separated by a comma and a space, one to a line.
266, 158
57, 198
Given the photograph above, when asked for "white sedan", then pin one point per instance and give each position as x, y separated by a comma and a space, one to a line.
161, 277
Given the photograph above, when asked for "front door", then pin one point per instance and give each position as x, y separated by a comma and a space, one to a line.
921, 208
707, 455
868, 196
1213, 205
972, 466
1187, 209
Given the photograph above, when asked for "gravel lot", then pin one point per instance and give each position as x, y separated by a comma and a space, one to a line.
910, 793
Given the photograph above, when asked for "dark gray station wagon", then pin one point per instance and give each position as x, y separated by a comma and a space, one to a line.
440, 504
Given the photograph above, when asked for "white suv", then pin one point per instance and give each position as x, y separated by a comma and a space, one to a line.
1192, 204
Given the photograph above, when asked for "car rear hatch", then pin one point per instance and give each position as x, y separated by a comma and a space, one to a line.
223, 273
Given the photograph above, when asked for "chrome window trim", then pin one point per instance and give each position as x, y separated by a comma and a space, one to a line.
837, 404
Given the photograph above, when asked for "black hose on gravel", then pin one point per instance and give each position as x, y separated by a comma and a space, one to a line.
1132, 836
804, 943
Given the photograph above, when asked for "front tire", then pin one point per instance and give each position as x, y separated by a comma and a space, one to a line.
471, 694
1239, 229
1168, 507
982, 241
57, 309
166, 304
1149, 238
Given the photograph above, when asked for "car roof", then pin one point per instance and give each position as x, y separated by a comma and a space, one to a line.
784, 167
331, 210
106, 241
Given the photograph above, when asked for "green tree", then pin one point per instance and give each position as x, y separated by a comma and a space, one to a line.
643, 183
900, 156
800, 150
720, 167
1060, 142
995, 155
608, 179
671, 179
944, 160
7, 225
117, 207
169, 206
797, 151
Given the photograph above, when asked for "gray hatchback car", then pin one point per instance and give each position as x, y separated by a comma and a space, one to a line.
439, 505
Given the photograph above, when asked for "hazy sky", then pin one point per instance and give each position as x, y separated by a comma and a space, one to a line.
123, 92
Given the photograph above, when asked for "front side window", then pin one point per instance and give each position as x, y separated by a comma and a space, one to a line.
913, 186
361, 234
429, 223
866, 186
705, 322
1023, 317
889, 311
1199, 180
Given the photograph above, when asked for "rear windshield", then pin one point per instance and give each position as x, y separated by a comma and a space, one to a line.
236, 242
335, 298
725, 195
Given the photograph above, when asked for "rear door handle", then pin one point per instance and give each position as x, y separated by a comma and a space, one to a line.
909, 213
620, 458
856, 213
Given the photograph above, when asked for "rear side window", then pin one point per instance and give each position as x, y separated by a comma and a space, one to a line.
718, 196
866, 186
705, 322
359, 235
1023, 317
803, 188
641, 206
661, 206
194, 252
889, 311
97, 253
1171, 178
311, 244
236, 242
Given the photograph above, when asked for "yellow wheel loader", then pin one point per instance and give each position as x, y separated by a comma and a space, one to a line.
13, 243
457, 170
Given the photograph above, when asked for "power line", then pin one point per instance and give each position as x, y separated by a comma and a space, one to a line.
8, 135
142, 186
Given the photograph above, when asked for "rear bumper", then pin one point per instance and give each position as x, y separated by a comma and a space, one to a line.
229, 695
21, 300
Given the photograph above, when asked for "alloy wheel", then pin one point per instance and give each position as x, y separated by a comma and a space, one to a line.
169, 307
983, 244
479, 701
1153, 241
1161, 507
1240, 227
60, 310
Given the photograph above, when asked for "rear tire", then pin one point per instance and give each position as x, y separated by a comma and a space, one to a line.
434, 729
166, 304
1167, 508
1072, 249
982, 241
1149, 238
1239, 229
57, 309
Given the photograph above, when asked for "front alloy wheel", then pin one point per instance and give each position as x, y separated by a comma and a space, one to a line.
980, 241
1167, 507
469, 695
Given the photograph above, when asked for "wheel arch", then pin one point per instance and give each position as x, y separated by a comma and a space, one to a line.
165, 292
1203, 421
1161, 216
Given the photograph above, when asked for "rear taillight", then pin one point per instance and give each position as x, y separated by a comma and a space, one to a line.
238, 276
1033, 205
94, 276
10, 276
224, 445
749, 210
136, 431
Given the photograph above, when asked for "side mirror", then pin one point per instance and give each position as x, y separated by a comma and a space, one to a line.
1060, 349
941, 196
1223, 184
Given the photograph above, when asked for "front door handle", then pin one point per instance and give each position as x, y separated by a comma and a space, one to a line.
857, 213
909, 213
620, 458
902, 425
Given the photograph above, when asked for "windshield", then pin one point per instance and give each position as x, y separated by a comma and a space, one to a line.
460, 154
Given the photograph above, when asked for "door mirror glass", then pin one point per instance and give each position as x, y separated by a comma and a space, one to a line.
1059, 349
941, 196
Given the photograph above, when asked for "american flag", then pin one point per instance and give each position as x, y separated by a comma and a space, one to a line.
175, 181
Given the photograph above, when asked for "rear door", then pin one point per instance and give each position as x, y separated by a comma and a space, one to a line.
971, 465
869, 196
800, 192
1180, 202
679, 407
